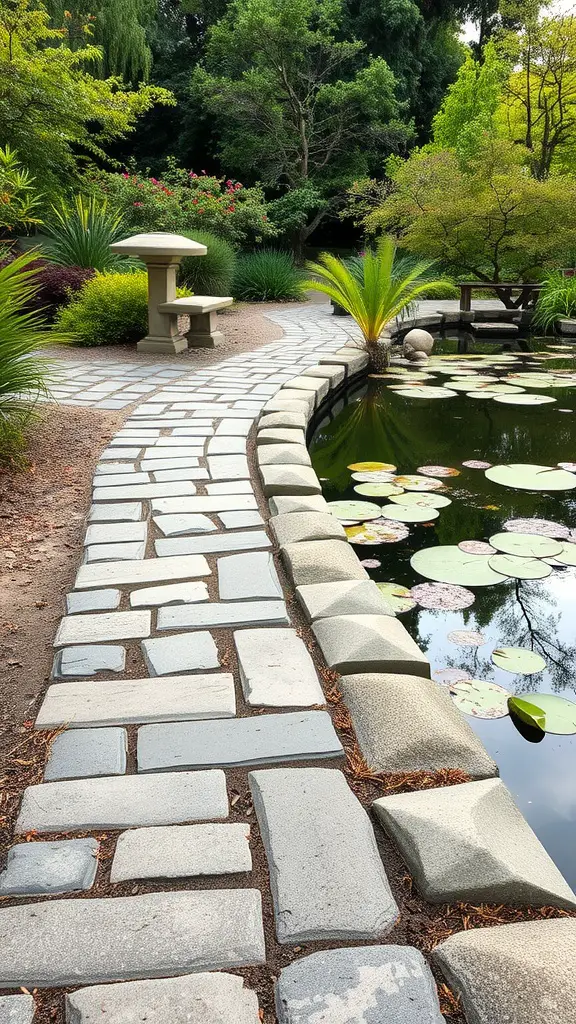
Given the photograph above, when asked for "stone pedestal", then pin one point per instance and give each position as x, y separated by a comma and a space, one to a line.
203, 332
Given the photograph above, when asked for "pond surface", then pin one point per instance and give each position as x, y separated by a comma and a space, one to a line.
371, 422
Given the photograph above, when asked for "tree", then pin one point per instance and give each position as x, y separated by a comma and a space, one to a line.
467, 114
295, 103
485, 216
118, 26
52, 110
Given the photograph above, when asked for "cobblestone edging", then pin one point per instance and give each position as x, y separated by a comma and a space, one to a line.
181, 674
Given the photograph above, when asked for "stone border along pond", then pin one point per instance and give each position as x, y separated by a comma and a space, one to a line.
163, 901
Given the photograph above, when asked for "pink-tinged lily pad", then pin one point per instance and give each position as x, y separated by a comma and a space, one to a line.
570, 466
476, 464
383, 531
442, 596
480, 699
448, 676
396, 597
414, 482
476, 547
466, 638
370, 563
438, 471
539, 527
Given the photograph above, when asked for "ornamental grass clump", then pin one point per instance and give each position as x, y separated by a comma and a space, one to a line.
80, 235
268, 275
556, 301
213, 273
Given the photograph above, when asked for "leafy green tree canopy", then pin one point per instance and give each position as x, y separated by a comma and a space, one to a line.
119, 27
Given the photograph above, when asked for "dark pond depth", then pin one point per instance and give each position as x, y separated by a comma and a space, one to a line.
372, 423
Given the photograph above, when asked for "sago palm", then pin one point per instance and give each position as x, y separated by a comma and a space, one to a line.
80, 235
377, 296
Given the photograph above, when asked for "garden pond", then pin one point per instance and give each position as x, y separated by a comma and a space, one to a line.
477, 420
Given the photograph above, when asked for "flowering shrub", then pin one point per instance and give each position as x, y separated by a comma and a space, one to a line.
184, 200
54, 286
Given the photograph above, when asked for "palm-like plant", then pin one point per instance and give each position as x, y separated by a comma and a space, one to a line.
24, 374
373, 292
81, 235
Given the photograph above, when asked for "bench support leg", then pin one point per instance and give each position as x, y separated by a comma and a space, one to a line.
203, 332
163, 334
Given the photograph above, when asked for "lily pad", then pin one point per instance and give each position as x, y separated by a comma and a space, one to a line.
518, 660
476, 464
377, 476
480, 699
448, 564
466, 638
447, 676
520, 567
409, 513
425, 392
371, 563
476, 547
559, 712
524, 399
539, 527
413, 482
442, 596
357, 510
527, 713
372, 467
526, 544
378, 490
439, 471
421, 499
568, 554
487, 395
397, 597
569, 466
527, 477
382, 532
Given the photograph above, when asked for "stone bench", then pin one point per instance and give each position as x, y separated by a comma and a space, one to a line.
202, 310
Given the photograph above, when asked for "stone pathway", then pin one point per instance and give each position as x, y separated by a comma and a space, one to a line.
180, 663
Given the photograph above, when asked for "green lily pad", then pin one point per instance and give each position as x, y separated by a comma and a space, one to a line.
378, 490
410, 513
378, 476
518, 660
448, 564
559, 712
421, 499
425, 392
528, 545
527, 477
568, 554
527, 713
524, 399
480, 699
487, 395
520, 567
414, 482
357, 510
397, 597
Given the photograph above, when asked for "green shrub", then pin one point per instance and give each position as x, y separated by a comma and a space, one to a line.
443, 289
111, 309
213, 273
557, 300
81, 235
268, 275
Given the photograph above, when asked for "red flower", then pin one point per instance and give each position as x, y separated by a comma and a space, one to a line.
137, 204
201, 209
195, 202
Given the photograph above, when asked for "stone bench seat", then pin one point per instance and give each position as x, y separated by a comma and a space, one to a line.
202, 310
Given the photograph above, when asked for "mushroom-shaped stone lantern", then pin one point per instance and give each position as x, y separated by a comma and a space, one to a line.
161, 252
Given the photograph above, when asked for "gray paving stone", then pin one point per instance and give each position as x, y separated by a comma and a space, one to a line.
281, 435
276, 669
193, 999
248, 576
369, 643
346, 597
117, 452
327, 878
289, 480
88, 659
171, 593
179, 473
239, 520
84, 753
231, 487
188, 652
195, 472
281, 504
406, 723
221, 614
294, 420
124, 801
322, 561
471, 843
149, 570
228, 467
214, 501
371, 985
298, 526
83, 941
215, 543
227, 446
114, 552
120, 479
92, 601
174, 526
108, 467
122, 511
75, 629
16, 1009
172, 453
126, 701
335, 374
234, 427
34, 869
116, 533
165, 490
522, 973
181, 851
294, 736
283, 455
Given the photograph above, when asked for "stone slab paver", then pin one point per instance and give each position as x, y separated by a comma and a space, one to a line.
75, 629
125, 701
92, 601
203, 998
213, 543
122, 511
227, 446
248, 576
182, 851
217, 615
83, 753
370, 985
123, 802
322, 561
295, 736
34, 869
276, 669
471, 843
17, 1009
87, 660
170, 593
114, 552
188, 652
228, 467
345, 597
522, 973
231, 488
116, 533
80, 941
173, 526
215, 501
240, 520
369, 643
328, 881
150, 570
163, 490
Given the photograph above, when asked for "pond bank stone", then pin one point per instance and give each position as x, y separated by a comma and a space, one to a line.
406, 723
369, 643
345, 597
34, 869
80, 753
299, 526
283, 455
327, 878
84, 941
322, 561
372, 985
471, 843
288, 420
283, 503
522, 973
289, 479
180, 851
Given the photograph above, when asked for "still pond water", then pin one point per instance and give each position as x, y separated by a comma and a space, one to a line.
370, 422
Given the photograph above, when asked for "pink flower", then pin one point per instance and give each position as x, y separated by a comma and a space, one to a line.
125, 174
137, 204
192, 175
201, 209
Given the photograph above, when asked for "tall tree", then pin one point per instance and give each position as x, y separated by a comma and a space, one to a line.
118, 26
468, 111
